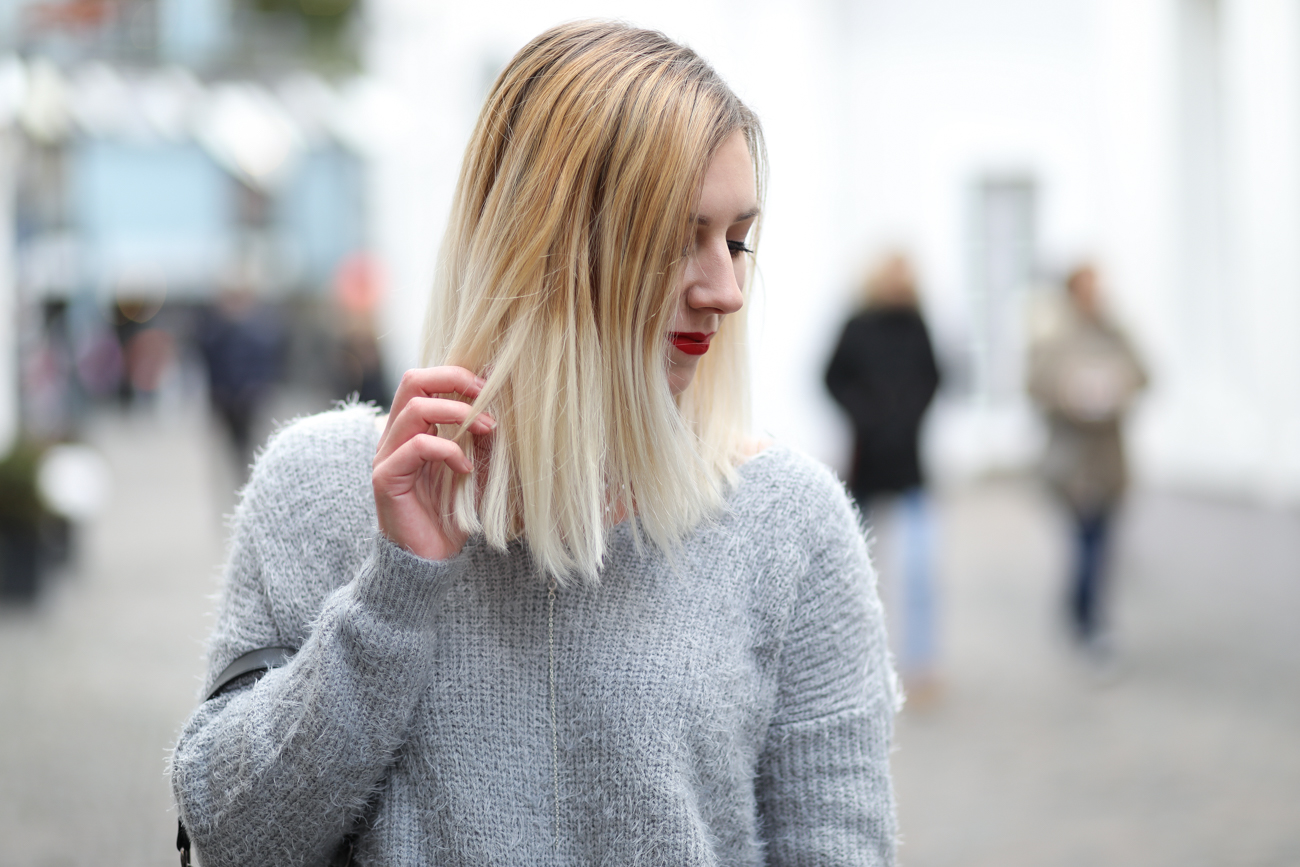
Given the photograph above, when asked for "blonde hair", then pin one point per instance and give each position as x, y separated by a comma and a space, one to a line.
890, 283
557, 281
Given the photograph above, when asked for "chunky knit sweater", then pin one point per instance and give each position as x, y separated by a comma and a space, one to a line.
729, 704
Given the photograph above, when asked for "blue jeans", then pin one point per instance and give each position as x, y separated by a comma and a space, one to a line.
913, 600
1085, 599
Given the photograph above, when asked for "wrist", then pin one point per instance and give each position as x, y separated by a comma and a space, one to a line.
401, 586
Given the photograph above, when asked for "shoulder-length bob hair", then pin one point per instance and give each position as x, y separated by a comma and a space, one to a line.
557, 281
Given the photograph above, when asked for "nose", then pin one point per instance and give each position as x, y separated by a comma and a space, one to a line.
716, 288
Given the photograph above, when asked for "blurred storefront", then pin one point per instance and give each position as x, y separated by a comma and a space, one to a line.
170, 169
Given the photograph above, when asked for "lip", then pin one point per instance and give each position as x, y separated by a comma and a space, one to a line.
691, 342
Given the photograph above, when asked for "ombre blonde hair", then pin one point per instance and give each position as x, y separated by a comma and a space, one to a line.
557, 281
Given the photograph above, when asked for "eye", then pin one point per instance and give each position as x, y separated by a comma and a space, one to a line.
737, 247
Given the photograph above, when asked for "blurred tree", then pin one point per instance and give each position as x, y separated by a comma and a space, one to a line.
21, 514
325, 25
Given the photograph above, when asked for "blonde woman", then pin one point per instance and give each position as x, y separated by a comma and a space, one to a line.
885, 375
557, 607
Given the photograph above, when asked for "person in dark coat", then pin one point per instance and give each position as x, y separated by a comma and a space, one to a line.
243, 344
884, 374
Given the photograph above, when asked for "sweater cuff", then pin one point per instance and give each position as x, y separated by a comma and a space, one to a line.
403, 588
826, 792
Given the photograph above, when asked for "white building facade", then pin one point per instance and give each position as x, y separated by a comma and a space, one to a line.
999, 143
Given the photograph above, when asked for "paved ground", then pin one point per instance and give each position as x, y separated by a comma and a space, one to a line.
97, 680
1191, 758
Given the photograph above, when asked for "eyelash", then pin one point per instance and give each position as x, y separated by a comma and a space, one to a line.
734, 247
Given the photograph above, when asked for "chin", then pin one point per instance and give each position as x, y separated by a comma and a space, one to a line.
677, 384
681, 374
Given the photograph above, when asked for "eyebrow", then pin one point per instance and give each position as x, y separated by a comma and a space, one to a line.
740, 218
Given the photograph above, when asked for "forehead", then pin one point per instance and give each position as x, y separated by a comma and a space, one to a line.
729, 191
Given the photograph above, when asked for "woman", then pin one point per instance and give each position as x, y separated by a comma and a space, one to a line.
557, 608
1085, 376
884, 374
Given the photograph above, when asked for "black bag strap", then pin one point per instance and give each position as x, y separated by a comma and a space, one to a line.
258, 662
263, 659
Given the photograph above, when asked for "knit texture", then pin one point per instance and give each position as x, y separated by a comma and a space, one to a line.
731, 704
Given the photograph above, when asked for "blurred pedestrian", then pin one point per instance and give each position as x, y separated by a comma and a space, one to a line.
559, 607
147, 350
1084, 374
359, 373
243, 344
49, 398
885, 375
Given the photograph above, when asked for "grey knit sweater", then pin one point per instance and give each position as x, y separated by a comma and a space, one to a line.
732, 706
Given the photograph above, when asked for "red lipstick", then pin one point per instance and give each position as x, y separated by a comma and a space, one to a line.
691, 342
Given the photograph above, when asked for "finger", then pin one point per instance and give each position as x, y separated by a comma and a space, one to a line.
430, 381
413, 456
420, 415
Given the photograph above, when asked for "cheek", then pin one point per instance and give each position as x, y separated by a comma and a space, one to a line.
681, 310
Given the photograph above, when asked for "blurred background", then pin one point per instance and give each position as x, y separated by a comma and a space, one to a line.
216, 215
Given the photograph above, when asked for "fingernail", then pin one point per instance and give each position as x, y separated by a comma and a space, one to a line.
481, 381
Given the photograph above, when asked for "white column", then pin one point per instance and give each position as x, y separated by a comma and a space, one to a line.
1262, 63
1140, 231
9, 367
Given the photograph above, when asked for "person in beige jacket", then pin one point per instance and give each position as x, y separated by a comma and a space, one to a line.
1084, 374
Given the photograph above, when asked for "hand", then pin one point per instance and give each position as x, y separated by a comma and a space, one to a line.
408, 475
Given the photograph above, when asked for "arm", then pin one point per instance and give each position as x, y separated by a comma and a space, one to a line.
279, 771
848, 382
824, 790
1040, 381
933, 376
1138, 370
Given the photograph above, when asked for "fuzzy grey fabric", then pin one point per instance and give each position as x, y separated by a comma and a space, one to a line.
731, 705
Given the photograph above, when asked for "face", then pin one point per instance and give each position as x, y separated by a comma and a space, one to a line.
716, 259
1083, 290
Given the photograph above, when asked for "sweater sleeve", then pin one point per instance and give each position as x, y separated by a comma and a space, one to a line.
278, 771
824, 788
